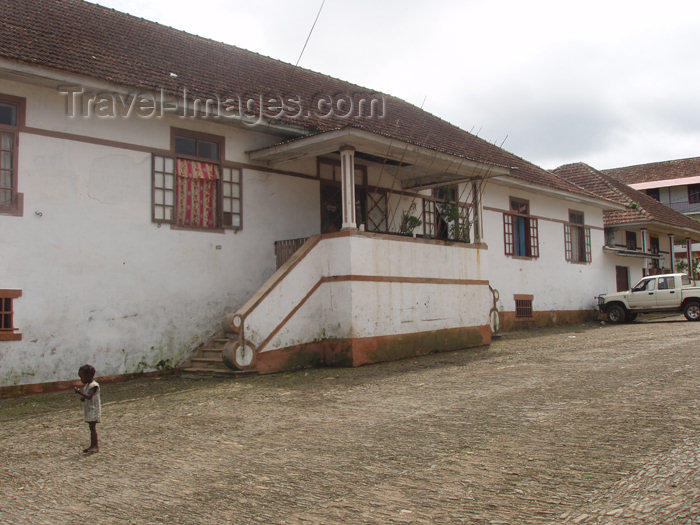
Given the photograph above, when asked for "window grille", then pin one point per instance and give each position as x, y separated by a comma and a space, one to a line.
523, 308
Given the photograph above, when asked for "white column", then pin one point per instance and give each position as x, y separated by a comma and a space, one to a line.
476, 207
672, 254
347, 184
689, 247
645, 245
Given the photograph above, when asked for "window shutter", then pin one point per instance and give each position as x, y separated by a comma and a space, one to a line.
587, 233
567, 242
534, 241
429, 218
508, 233
162, 189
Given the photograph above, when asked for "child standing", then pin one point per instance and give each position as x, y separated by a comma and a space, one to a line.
90, 396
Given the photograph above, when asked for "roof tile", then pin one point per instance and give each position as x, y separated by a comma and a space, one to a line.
88, 39
640, 207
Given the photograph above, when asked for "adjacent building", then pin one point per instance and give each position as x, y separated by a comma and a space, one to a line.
640, 238
675, 183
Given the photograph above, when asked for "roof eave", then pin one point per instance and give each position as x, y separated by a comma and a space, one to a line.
571, 196
439, 166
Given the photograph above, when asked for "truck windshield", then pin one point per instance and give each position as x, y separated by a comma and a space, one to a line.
645, 284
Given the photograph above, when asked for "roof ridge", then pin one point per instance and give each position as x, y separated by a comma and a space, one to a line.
657, 163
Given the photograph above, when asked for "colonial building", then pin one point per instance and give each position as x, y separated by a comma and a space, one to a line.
154, 182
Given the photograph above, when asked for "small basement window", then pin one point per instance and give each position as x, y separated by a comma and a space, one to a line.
523, 306
8, 332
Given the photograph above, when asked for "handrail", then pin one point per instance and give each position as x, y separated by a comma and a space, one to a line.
235, 321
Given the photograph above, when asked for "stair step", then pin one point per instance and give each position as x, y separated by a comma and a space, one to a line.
209, 351
202, 359
217, 371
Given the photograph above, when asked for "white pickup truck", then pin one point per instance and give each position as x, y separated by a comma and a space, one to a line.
672, 292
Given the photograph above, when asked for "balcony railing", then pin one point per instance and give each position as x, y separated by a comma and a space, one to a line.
685, 206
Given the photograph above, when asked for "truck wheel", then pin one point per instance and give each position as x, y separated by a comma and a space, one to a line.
616, 313
691, 310
630, 316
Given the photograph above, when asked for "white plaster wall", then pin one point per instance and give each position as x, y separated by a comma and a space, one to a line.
378, 307
555, 283
679, 194
103, 284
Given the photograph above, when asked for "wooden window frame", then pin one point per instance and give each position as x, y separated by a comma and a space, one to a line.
654, 245
16, 206
693, 193
532, 244
631, 240
8, 331
164, 186
584, 248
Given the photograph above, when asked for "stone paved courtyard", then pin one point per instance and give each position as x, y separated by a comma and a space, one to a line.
589, 424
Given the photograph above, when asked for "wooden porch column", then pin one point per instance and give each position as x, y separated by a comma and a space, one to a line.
671, 252
347, 184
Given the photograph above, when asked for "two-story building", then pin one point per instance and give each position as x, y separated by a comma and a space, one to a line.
641, 237
675, 183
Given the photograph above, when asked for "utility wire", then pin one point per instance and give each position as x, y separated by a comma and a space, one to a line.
312, 30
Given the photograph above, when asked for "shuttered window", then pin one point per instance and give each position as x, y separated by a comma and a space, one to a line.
520, 231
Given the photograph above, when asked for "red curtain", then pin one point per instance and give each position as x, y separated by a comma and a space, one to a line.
196, 193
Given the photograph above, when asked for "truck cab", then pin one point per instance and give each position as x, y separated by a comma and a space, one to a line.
655, 293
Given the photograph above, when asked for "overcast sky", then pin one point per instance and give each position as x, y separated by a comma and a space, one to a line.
611, 83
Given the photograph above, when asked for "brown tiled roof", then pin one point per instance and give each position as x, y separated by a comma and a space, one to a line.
670, 169
640, 207
87, 39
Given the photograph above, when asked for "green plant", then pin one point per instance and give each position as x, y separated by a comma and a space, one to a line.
681, 266
409, 222
459, 226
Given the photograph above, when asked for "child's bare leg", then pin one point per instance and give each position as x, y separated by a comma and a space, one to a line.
94, 446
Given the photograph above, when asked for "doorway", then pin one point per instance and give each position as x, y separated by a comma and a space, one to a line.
332, 206
622, 276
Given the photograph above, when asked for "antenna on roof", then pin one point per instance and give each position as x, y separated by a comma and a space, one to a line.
311, 31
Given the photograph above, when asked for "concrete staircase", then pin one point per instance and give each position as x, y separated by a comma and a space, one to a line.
206, 359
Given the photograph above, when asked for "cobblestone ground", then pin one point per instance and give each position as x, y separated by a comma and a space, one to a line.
590, 424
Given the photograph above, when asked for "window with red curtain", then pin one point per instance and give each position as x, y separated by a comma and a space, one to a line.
196, 193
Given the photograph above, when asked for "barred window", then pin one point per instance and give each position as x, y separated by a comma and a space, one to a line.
523, 308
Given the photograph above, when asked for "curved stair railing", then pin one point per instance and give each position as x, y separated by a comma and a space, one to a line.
241, 353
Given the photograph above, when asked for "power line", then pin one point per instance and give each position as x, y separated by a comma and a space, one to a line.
312, 30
